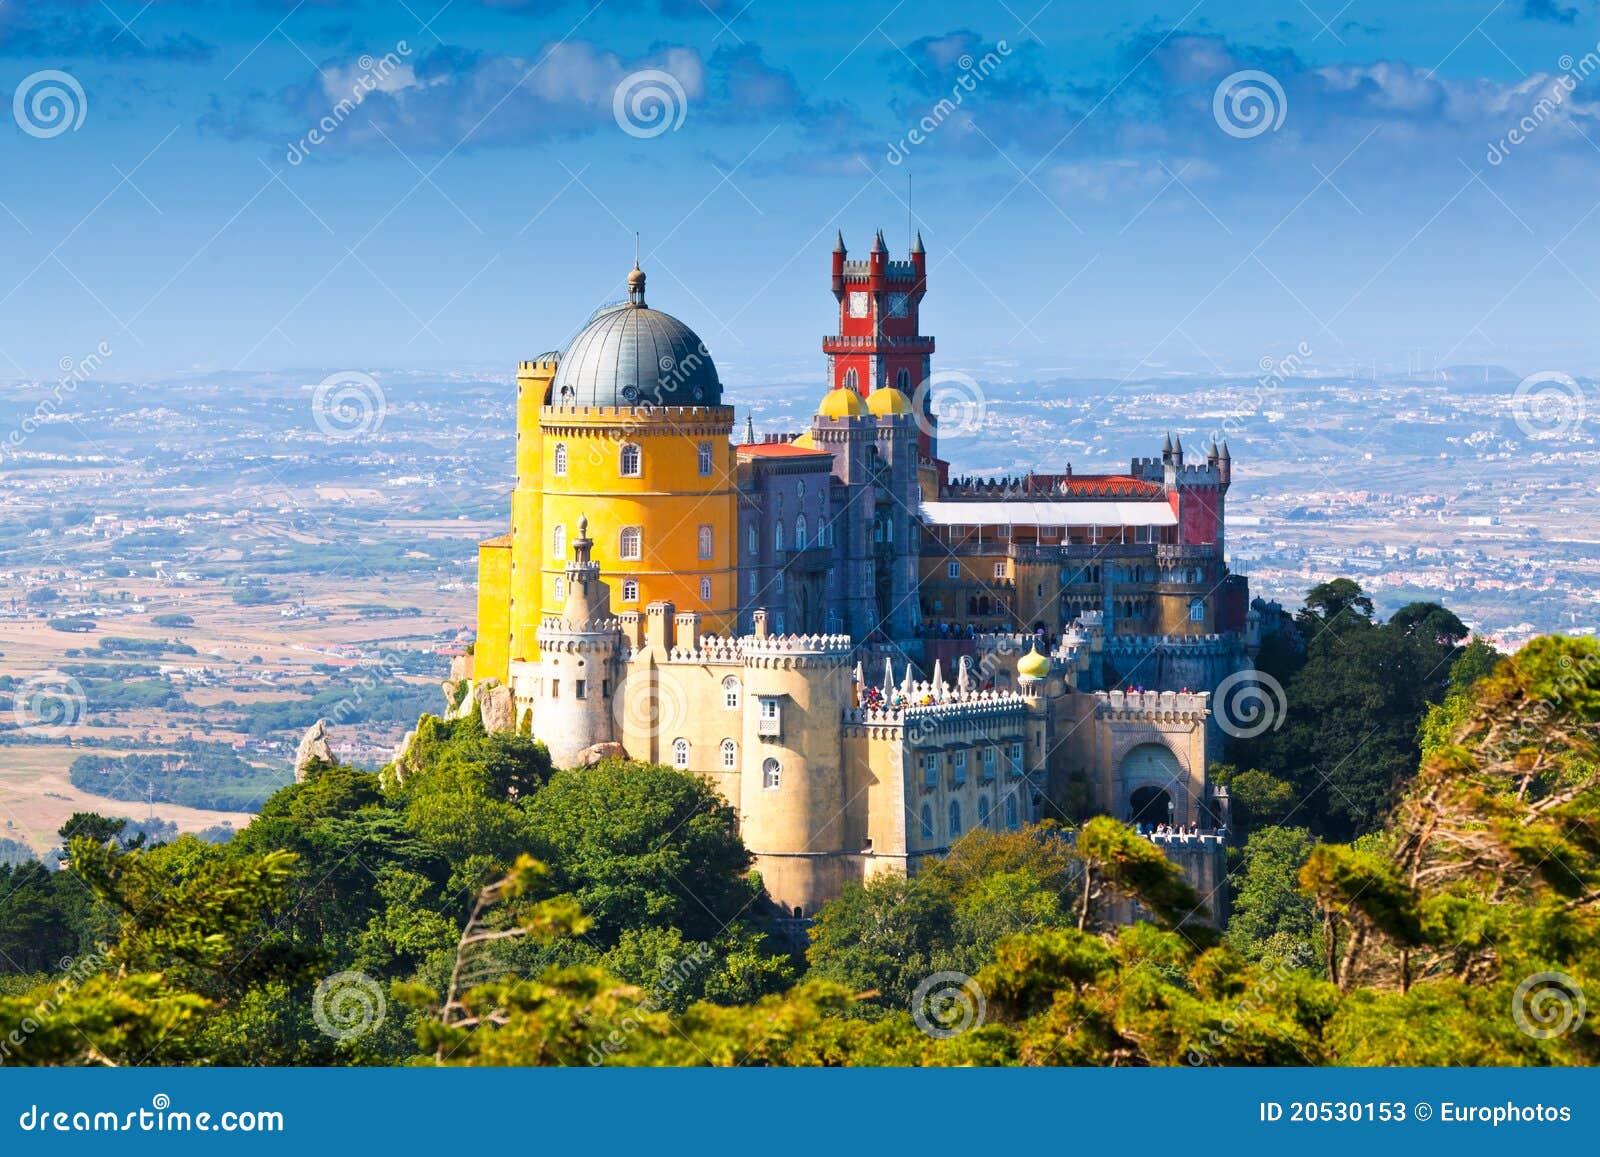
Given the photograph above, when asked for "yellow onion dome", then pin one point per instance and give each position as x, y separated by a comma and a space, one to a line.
1033, 665
888, 402
805, 441
841, 403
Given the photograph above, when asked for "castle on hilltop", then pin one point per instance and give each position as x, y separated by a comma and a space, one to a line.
867, 657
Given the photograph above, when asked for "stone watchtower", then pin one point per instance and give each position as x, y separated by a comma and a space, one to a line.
579, 652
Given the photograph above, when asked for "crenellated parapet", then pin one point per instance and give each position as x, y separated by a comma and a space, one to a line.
793, 651
713, 650
1156, 706
1212, 644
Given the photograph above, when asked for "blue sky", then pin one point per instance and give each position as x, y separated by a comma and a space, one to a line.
1086, 210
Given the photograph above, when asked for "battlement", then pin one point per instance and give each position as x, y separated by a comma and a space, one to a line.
713, 649
1168, 705
754, 645
543, 364
893, 271
1200, 644
924, 706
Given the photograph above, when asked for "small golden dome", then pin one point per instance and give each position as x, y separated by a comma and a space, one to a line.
842, 403
888, 402
1033, 665
805, 441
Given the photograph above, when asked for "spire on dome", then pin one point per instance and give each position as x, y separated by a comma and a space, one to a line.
636, 285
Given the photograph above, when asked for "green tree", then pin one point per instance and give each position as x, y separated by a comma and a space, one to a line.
639, 845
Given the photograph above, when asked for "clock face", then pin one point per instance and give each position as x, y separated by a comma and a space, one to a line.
858, 303
898, 305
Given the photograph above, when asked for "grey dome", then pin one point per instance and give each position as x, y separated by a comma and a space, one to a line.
631, 355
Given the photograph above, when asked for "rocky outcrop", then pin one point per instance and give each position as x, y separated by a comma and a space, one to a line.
398, 762
590, 756
495, 704
313, 745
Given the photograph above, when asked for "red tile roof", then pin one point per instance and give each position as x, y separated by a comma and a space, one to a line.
776, 450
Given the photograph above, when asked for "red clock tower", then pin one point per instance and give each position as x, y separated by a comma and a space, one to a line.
878, 344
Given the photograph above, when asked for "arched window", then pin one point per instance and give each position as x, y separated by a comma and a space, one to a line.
800, 488
705, 590
800, 533
705, 459
1011, 813
955, 819
561, 589
730, 693
771, 775
558, 541
927, 822
630, 544
983, 811
630, 590
706, 540
851, 381
680, 753
630, 460
902, 380
777, 536
753, 540
730, 755
1197, 610
561, 459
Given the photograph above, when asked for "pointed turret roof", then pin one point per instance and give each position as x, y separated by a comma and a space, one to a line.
838, 242
916, 245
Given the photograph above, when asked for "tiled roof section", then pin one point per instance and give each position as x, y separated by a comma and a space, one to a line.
777, 450
1052, 486
1108, 486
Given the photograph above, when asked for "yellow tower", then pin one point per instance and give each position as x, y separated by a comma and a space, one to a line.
625, 426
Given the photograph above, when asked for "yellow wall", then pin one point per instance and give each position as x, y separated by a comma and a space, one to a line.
527, 527
669, 501
493, 651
